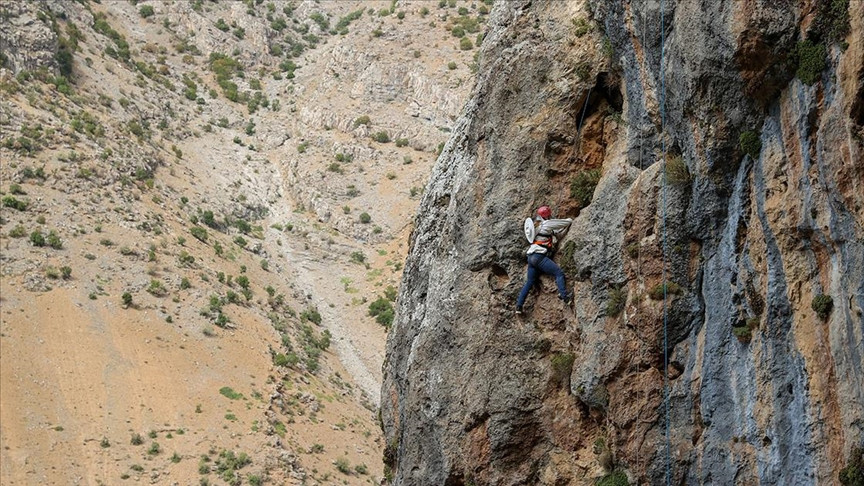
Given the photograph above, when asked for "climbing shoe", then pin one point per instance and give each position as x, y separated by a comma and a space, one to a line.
568, 299
519, 311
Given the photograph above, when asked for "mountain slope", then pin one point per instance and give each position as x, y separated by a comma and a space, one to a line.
203, 173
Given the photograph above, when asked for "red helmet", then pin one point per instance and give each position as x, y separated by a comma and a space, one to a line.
544, 212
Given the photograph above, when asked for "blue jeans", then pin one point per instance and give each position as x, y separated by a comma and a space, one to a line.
539, 263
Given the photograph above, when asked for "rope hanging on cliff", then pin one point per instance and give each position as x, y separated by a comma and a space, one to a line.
665, 313
640, 276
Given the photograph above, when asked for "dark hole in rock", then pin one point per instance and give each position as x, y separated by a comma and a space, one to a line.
610, 87
498, 277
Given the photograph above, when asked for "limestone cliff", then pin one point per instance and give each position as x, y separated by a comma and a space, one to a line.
754, 218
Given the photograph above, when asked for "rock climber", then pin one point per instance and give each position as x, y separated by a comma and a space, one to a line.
540, 253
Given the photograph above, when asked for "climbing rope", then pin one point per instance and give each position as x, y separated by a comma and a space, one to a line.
639, 275
665, 310
582, 122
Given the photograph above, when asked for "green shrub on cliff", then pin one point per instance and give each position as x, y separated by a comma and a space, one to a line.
853, 473
822, 305
617, 300
582, 186
672, 288
750, 144
832, 20
810, 59
743, 333
615, 478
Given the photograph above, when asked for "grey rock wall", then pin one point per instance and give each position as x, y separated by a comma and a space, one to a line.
474, 395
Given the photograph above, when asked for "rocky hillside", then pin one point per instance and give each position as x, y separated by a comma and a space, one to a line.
713, 159
205, 211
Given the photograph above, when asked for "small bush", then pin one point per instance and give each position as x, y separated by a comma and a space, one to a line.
137, 439
290, 359
54, 241
750, 144
671, 288
383, 312
52, 273
199, 233
146, 11
358, 257
154, 449
311, 314
582, 26
229, 393
451, 65
390, 292
811, 61
157, 289
853, 473
37, 238
127, 299
617, 300
465, 44
17, 232
615, 478
343, 465
743, 333
365, 218
583, 185
381, 137
362, 120
14, 203
822, 304
832, 22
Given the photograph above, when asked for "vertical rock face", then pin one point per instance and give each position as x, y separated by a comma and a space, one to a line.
27, 41
760, 217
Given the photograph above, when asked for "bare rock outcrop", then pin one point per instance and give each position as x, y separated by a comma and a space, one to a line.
27, 41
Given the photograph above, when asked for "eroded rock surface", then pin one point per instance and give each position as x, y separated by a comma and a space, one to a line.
761, 389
